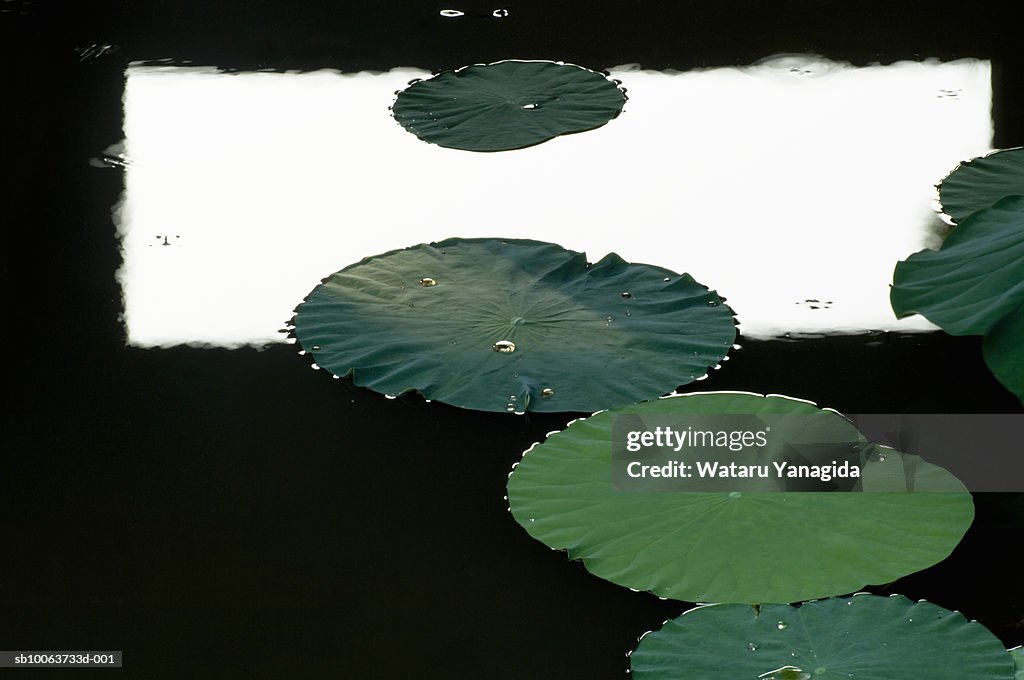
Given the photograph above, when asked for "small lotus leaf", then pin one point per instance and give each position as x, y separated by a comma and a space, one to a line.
507, 105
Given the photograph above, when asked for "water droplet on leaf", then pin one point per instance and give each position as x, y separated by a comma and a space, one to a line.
427, 282
504, 346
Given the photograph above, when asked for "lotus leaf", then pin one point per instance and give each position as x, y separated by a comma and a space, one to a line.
737, 546
974, 285
514, 325
507, 105
1003, 350
980, 182
865, 636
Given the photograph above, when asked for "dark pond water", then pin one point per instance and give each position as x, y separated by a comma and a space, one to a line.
225, 513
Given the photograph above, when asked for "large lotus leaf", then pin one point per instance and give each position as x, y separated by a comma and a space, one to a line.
865, 637
975, 280
892, 471
980, 182
732, 546
507, 105
514, 325
1003, 349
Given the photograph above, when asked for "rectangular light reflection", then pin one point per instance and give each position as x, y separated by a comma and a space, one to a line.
792, 187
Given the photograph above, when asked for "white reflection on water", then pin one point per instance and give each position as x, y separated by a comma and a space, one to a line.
792, 187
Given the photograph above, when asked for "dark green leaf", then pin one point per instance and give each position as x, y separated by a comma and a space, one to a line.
980, 182
578, 337
507, 105
1003, 349
975, 280
865, 637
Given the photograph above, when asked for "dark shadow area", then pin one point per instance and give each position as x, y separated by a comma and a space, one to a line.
230, 513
